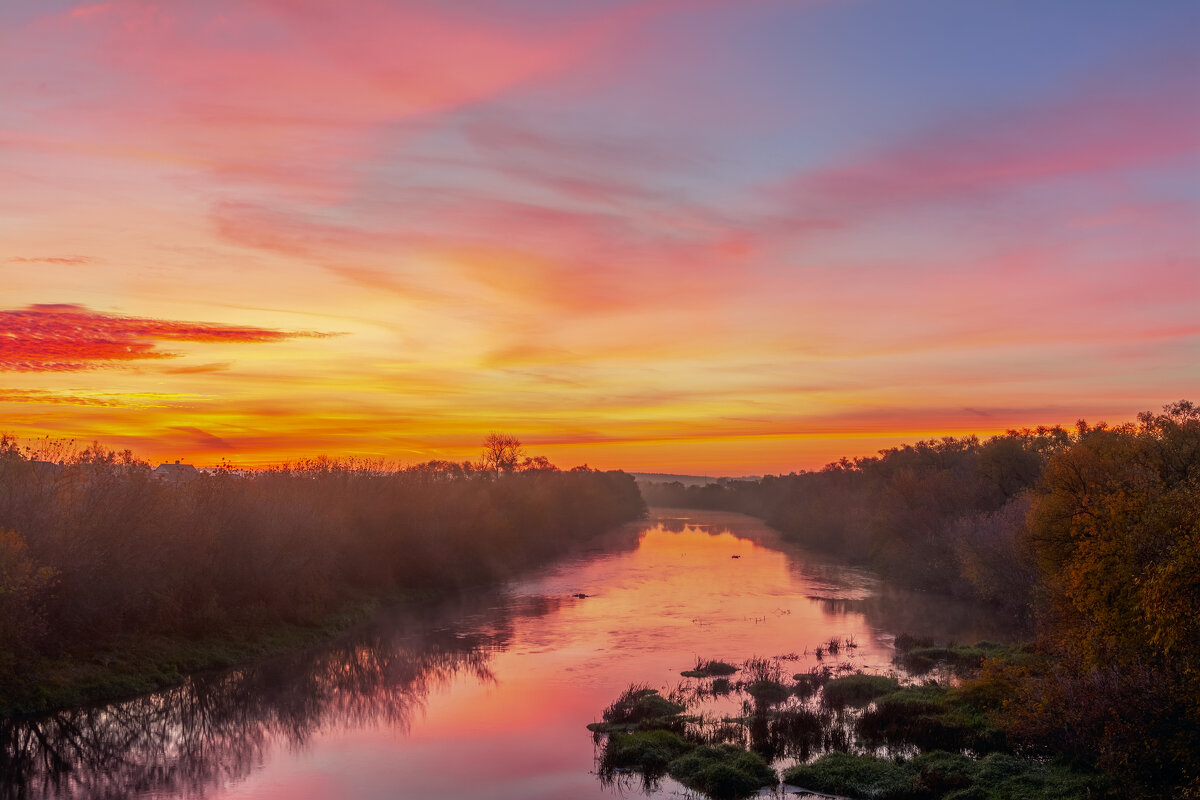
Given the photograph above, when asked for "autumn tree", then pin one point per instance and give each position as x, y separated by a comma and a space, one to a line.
1115, 529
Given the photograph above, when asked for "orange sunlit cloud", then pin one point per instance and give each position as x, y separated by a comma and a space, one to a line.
675, 235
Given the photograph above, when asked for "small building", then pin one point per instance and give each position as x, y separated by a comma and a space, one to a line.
176, 473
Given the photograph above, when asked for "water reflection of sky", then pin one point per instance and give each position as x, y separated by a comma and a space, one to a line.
487, 696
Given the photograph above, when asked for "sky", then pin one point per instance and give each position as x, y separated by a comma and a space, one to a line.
690, 236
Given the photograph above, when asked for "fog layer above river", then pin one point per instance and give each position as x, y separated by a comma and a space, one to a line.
487, 696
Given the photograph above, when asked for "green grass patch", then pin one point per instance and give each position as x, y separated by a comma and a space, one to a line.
639, 708
944, 776
960, 658
1005, 777
857, 689
723, 772
930, 717
648, 752
856, 776
768, 692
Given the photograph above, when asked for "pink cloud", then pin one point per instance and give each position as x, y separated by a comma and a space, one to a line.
278, 93
579, 261
1082, 135
70, 338
58, 260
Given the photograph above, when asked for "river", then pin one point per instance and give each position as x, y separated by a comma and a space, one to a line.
486, 697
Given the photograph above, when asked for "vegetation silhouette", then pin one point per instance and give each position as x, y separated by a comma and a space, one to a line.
1094, 533
97, 555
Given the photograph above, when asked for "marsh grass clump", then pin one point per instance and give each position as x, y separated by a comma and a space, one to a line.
640, 707
768, 692
856, 776
1004, 777
764, 681
930, 717
762, 669
647, 752
940, 775
723, 772
942, 740
808, 683
709, 669
857, 690
959, 658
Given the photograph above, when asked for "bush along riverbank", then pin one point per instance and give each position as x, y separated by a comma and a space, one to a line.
1093, 532
113, 582
939, 734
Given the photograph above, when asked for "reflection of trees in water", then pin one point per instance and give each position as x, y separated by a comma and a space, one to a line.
843, 589
216, 728
944, 618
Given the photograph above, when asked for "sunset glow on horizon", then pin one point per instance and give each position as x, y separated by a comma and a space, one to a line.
690, 236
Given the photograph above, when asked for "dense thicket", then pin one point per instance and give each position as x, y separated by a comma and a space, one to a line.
1095, 530
100, 547
1114, 530
942, 515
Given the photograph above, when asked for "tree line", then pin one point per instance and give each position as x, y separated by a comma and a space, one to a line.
1094, 532
99, 548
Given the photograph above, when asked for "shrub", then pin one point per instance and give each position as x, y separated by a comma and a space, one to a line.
723, 772
857, 690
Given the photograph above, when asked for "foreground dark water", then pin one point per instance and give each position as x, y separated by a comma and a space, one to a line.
488, 696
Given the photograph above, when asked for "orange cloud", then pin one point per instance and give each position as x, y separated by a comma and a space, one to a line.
70, 338
43, 396
200, 369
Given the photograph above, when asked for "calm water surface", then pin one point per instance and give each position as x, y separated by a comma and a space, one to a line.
488, 697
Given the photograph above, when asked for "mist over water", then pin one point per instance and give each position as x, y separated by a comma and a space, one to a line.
486, 696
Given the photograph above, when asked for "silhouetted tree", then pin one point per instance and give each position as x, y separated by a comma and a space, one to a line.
501, 452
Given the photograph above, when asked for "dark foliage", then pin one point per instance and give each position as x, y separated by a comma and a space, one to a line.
1094, 530
98, 548
942, 515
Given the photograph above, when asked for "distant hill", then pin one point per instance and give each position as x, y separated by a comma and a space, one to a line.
686, 480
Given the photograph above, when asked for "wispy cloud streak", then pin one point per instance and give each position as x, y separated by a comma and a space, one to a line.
71, 338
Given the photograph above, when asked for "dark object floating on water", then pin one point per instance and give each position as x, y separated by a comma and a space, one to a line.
735, 556
581, 595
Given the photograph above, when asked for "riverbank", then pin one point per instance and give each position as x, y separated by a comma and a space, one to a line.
1094, 533
132, 665
932, 732
113, 583
486, 695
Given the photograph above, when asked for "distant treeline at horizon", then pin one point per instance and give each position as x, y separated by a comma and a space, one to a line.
1094, 531
99, 548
